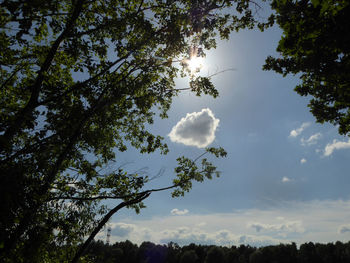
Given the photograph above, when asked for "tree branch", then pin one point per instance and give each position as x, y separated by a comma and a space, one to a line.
87, 81
25, 112
43, 189
104, 220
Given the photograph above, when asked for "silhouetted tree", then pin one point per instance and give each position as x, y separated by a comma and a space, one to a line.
129, 249
308, 253
215, 255
174, 251
232, 255
189, 256
127, 252
80, 81
315, 45
258, 257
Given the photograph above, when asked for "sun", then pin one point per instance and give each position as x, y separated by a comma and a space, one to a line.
195, 64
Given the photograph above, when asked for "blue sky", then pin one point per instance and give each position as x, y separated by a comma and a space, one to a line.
285, 179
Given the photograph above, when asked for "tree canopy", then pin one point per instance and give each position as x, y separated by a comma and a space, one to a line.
81, 81
126, 252
315, 45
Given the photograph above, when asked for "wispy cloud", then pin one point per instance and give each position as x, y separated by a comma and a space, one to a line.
335, 145
196, 129
178, 212
311, 140
303, 160
298, 131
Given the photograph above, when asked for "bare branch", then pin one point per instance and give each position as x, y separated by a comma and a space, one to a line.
222, 71
140, 197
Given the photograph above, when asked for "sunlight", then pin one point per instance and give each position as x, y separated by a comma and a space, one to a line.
195, 64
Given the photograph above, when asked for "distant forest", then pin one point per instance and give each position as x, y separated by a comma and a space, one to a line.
147, 252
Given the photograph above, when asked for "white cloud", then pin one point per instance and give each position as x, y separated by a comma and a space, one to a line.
300, 222
312, 139
258, 241
196, 129
285, 179
335, 145
201, 224
344, 229
223, 237
298, 131
302, 161
178, 212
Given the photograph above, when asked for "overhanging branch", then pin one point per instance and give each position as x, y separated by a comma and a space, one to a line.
140, 197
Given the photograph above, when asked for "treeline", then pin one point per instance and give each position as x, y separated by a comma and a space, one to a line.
147, 252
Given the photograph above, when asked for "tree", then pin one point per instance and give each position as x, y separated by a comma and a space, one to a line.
173, 254
189, 256
81, 81
215, 254
257, 257
316, 45
149, 252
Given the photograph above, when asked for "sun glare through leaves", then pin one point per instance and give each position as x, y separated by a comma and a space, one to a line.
195, 64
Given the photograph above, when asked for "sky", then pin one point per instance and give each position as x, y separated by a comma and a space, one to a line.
285, 179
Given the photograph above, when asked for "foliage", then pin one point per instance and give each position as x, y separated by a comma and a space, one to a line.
214, 254
316, 46
81, 81
189, 256
286, 253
